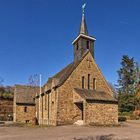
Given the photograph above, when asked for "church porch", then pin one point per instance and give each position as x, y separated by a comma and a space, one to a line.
95, 107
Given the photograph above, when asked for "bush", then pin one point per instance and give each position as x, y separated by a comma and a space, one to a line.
134, 117
122, 119
6, 95
137, 118
126, 113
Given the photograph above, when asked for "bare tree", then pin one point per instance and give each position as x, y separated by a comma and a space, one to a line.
33, 80
1, 81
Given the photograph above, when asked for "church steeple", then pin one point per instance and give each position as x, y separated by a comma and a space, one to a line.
83, 42
83, 27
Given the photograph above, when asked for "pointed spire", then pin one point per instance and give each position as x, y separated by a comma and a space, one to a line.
83, 27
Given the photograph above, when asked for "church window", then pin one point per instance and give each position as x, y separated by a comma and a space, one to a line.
94, 83
46, 102
27, 121
48, 106
83, 80
42, 106
88, 81
25, 109
87, 44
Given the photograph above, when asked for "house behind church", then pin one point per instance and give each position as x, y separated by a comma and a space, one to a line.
24, 110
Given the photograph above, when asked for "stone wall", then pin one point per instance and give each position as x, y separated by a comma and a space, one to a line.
37, 109
48, 108
6, 109
53, 107
25, 117
101, 113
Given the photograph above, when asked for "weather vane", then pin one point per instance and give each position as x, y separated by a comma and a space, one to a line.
83, 7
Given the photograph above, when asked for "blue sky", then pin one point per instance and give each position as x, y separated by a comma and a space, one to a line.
36, 35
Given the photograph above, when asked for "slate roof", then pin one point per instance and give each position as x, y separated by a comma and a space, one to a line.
25, 94
94, 95
62, 76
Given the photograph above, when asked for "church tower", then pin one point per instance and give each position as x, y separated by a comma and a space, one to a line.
83, 42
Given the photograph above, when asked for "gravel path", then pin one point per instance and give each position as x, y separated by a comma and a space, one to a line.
131, 131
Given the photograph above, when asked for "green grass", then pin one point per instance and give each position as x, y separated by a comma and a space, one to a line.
6, 95
29, 125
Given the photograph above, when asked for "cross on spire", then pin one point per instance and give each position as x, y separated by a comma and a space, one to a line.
83, 8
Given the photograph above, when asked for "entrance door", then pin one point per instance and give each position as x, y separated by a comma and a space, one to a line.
80, 106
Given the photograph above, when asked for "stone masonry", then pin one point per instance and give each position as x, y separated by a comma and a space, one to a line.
58, 106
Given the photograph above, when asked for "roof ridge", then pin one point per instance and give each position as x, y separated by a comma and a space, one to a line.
65, 72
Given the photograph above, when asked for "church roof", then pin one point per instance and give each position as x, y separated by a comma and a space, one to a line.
95, 95
62, 76
25, 94
83, 27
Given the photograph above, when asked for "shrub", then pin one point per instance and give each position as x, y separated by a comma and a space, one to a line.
126, 113
137, 118
122, 119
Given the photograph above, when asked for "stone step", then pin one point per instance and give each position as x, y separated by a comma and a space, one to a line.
79, 122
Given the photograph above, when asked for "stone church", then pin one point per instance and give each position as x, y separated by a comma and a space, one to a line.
79, 92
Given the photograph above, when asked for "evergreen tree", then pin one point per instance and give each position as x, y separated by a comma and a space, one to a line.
127, 83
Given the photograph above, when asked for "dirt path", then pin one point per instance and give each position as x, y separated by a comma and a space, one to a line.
131, 130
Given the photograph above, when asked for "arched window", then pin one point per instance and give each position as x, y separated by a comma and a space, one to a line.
94, 83
88, 81
83, 82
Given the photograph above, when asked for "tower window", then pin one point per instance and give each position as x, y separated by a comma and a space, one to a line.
77, 46
88, 81
94, 83
87, 44
83, 80
25, 109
